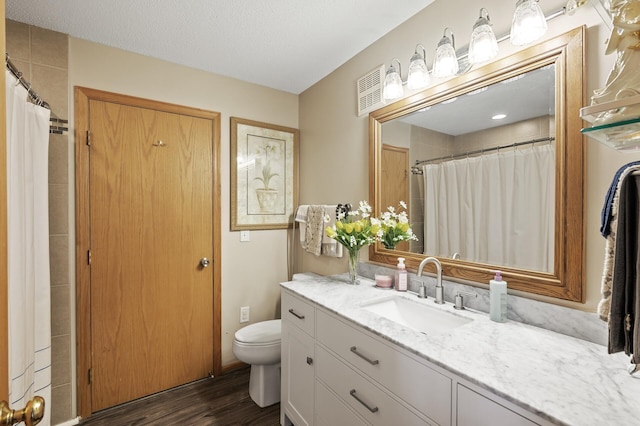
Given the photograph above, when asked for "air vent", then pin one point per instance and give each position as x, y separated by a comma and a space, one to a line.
370, 91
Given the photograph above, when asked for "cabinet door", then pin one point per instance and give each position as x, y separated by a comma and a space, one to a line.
477, 410
331, 411
298, 375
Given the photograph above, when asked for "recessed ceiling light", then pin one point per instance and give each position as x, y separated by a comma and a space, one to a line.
498, 116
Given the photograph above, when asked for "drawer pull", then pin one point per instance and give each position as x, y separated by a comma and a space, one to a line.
372, 362
352, 392
309, 360
292, 312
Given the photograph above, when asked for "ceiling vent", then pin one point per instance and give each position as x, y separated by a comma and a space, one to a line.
370, 91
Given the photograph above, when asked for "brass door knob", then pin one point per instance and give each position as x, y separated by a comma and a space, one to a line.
30, 415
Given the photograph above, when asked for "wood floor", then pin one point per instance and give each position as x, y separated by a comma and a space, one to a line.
221, 401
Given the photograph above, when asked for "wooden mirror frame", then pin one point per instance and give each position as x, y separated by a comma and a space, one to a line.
567, 281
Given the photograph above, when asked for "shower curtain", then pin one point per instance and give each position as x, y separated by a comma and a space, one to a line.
28, 249
496, 209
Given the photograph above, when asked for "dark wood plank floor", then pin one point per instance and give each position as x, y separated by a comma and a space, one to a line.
220, 401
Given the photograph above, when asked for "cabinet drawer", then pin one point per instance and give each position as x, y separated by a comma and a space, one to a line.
374, 405
298, 312
331, 411
422, 387
477, 410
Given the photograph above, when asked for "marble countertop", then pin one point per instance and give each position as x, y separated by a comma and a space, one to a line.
562, 379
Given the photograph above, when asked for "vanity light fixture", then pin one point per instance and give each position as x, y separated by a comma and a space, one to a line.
418, 76
445, 63
529, 23
392, 87
483, 46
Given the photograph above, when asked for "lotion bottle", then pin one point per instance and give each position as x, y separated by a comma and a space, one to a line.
401, 275
498, 298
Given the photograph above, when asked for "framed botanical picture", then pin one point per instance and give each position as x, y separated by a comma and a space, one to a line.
264, 175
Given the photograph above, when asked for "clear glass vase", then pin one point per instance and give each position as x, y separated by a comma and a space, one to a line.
353, 266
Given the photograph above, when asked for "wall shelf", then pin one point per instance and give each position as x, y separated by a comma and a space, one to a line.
621, 134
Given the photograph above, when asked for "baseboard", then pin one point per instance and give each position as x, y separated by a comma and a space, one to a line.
70, 422
237, 365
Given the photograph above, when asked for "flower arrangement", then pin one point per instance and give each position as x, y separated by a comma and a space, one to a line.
354, 230
357, 229
395, 226
267, 151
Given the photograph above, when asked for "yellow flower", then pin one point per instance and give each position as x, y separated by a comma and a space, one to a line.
339, 225
330, 231
348, 227
357, 226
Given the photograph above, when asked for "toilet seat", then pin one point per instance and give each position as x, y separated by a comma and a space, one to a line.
260, 334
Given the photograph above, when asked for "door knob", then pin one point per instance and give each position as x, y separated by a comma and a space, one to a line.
31, 414
204, 262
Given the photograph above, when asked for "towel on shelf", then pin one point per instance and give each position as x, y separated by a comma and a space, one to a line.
624, 315
609, 226
607, 215
301, 217
314, 230
324, 246
330, 247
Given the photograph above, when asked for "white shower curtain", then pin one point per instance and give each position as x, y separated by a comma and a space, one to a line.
28, 249
496, 209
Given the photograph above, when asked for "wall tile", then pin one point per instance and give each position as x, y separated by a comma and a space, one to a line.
52, 86
60, 310
17, 40
58, 159
60, 356
60, 404
59, 260
58, 209
24, 68
49, 48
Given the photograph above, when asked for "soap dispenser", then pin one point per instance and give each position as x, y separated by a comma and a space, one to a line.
401, 275
498, 298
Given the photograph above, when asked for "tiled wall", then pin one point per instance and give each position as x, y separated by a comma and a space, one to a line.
42, 56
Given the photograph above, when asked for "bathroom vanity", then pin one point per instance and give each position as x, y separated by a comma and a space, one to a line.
355, 355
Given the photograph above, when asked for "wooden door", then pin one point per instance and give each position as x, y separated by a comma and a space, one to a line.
151, 221
395, 177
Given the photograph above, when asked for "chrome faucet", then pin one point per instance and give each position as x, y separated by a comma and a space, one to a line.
439, 289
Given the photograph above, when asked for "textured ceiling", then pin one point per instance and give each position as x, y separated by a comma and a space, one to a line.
284, 44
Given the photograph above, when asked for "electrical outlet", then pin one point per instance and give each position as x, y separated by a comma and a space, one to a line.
244, 314
245, 236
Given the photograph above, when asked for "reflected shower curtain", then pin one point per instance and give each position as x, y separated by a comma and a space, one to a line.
496, 209
28, 249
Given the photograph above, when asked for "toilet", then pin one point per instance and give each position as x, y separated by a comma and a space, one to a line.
259, 346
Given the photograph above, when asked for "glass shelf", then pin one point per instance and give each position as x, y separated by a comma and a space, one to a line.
623, 135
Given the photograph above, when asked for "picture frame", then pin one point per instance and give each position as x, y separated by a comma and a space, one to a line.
264, 175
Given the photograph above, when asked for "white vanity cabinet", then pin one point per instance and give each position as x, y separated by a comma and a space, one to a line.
337, 373
420, 395
297, 361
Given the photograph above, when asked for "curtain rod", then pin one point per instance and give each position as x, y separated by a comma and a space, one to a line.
417, 171
32, 94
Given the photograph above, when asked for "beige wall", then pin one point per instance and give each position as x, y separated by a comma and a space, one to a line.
338, 139
251, 271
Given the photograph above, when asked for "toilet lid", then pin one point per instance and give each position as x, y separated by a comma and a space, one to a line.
260, 332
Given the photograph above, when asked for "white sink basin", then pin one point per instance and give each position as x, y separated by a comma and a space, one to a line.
415, 315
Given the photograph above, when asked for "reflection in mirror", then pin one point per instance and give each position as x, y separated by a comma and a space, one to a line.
491, 164
462, 150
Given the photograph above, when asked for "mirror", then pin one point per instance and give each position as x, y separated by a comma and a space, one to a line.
440, 152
